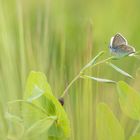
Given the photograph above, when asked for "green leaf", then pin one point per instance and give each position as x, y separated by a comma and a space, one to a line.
129, 100
40, 127
36, 86
135, 137
12, 117
46, 101
38, 104
119, 70
30, 112
62, 126
36, 93
93, 61
98, 79
107, 126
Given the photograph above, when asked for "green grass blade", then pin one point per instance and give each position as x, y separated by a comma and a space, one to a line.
120, 70
98, 79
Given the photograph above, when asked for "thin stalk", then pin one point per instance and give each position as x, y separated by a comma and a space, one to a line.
101, 62
80, 74
70, 84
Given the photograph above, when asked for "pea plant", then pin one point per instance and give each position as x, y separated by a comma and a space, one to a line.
41, 114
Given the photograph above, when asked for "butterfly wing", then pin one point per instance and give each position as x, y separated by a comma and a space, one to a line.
118, 40
123, 50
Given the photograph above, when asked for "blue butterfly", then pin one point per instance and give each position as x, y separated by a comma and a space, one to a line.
119, 46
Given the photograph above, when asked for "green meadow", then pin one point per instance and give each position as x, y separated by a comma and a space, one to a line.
44, 45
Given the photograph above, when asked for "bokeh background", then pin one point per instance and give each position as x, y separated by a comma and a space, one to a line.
58, 37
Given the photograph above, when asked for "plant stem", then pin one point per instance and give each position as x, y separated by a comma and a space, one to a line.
101, 62
80, 74
70, 84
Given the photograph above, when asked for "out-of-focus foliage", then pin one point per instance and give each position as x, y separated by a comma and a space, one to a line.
58, 38
108, 127
129, 100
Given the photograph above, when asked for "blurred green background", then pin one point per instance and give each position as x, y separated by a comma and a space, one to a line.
58, 37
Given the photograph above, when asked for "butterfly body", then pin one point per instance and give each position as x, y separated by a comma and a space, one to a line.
119, 46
